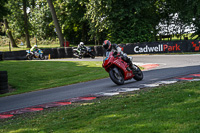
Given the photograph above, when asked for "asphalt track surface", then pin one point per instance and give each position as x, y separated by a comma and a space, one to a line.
170, 66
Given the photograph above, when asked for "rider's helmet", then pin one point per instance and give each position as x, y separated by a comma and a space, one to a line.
107, 44
81, 43
35, 46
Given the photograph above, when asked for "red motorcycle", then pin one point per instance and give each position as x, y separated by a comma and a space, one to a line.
119, 70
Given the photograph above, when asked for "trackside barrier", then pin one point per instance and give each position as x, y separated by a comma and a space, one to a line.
129, 48
15, 55
163, 47
3, 82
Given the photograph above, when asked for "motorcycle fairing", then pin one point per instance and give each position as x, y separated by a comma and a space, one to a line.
123, 65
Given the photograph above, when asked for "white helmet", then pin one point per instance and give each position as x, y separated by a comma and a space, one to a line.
81, 43
35, 46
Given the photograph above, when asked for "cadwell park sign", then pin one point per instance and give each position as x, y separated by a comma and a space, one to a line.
162, 47
130, 48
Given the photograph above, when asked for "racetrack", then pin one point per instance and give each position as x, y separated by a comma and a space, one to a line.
169, 66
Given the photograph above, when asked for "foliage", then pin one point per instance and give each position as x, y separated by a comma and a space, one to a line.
92, 21
41, 21
73, 22
3, 9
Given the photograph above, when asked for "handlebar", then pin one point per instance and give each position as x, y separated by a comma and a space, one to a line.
115, 54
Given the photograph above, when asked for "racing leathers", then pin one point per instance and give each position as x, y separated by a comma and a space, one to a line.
115, 47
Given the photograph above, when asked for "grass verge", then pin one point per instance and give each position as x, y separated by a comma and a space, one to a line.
173, 108
26, 76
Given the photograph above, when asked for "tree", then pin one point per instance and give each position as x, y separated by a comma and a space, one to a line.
98, 17
26, 24
41, 21
18, 19
3, 9
74, 24
8, 31
56, 23
123, 21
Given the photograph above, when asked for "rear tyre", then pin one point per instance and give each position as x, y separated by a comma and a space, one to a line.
116, 76
138, 74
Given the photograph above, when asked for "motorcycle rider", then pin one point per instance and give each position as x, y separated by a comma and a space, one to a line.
34, 49
80, 47
109, 47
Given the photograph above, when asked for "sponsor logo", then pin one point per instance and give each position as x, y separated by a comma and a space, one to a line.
129, 74
159, 48
196, 48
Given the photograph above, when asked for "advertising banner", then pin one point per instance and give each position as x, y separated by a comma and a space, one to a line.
162, 47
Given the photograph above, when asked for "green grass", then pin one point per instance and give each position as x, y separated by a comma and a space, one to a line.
27, 76
173, 108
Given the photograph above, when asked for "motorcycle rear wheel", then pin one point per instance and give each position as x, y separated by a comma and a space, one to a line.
116, 76
138, 75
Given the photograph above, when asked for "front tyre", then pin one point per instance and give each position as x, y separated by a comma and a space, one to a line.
42, 57
138, 74
75, 54
92, 55
80, 56
29, 57
116, 76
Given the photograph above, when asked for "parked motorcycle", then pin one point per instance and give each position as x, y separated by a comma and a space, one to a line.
85, 52
118, 69
37, 55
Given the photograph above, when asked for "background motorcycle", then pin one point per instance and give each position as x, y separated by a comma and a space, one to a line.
117, 69
38, 54
85, 52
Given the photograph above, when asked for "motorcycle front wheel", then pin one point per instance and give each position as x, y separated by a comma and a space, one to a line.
29, 57
138, 74
42, 57
92, 56
116, 76
80, 56
75, 54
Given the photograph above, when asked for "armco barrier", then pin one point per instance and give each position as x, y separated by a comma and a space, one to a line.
98, 50
55, 53
61, 52
134, 48
15, 55
68, 52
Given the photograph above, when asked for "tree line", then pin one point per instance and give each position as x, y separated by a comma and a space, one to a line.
92, 21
